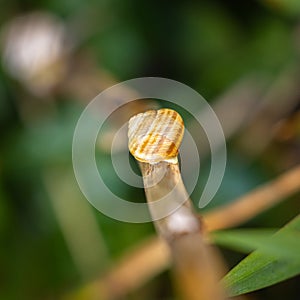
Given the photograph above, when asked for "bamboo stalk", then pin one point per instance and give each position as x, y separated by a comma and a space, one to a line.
154, 139
151, 257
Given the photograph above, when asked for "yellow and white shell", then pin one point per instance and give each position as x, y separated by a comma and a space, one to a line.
155, 135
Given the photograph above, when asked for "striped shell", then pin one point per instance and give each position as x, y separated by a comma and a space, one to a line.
155, 135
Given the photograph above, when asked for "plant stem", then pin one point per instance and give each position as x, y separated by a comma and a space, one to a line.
196, 266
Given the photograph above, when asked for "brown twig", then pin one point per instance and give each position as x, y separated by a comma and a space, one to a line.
152, 256
128, 274
255, 202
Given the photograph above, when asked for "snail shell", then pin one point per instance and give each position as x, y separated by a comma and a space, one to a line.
155, 135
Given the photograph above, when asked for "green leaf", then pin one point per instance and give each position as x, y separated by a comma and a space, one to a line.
285, 245
276, 259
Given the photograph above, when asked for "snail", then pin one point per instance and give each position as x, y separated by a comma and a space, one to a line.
155, 135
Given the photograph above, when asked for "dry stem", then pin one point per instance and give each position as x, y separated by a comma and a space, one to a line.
152, 256
152, 137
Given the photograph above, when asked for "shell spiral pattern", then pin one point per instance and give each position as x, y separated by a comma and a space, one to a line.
155, 135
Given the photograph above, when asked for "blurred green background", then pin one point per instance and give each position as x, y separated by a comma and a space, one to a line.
243, 55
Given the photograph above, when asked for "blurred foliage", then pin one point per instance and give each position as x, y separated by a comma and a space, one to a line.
209, 45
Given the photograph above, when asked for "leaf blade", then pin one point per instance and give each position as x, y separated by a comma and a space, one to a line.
259, 269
